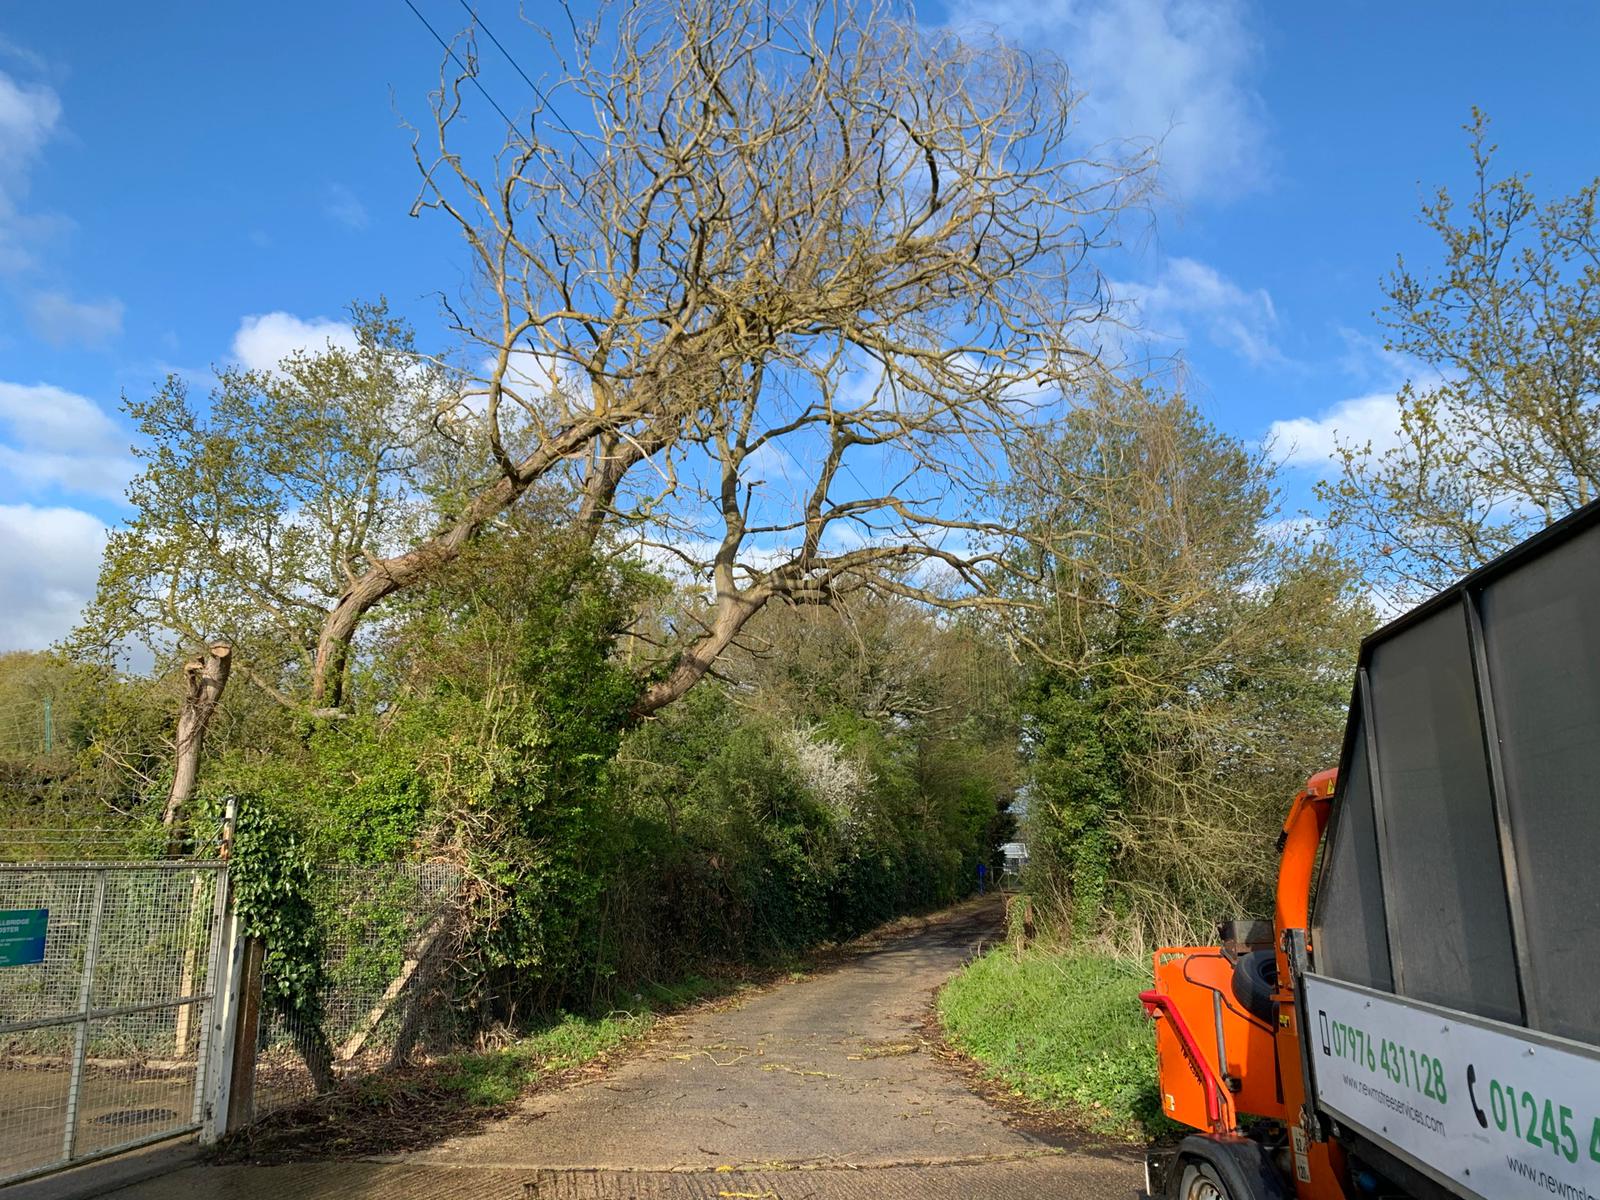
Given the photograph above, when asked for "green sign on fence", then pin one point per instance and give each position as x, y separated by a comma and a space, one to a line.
22, 932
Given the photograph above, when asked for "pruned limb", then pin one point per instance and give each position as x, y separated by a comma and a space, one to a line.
204, 680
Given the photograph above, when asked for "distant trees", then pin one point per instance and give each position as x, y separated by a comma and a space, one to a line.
1190, 667
43, 697
77, 746
1503, 437
848, 764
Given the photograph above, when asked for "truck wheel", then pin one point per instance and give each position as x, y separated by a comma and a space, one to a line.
1212, 1168
1197, 1181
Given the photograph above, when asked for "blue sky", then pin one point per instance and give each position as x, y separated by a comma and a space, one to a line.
186, 184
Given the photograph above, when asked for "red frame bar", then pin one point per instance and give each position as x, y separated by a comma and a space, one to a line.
1157, 1005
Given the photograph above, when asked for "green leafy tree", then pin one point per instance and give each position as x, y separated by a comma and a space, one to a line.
254, 512
270, 874
503, 705
1506, 436
1190, 666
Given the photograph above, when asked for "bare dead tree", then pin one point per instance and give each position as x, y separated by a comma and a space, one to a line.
824, 533
812, 234
765, 207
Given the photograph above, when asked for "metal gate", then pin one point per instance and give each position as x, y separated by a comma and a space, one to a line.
108, 978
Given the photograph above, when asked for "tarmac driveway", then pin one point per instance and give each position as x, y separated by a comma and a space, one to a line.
820, 1088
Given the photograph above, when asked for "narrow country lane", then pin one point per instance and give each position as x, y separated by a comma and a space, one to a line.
817, 1088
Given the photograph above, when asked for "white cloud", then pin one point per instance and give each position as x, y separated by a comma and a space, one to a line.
51, 418
532, 373
1172, 70
1312, 442
265, 339
540, 381
61, 320
841, 537
774, 462
1289, 530
688, 559
22, 235
56, 438
345, 207
29, 116
1189, 295
22, 54
52, 558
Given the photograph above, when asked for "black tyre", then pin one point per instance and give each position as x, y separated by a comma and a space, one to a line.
1255, 978
1209, 1168
1197, 1181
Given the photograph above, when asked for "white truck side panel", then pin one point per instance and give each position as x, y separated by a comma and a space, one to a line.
1488, 1109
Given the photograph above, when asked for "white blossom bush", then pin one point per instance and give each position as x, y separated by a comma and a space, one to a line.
833, 777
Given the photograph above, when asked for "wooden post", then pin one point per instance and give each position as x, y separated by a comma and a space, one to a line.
191, 956
205, 677
246, 1033
227, 969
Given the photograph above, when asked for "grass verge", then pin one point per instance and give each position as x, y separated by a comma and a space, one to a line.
497, 1077
1065, 1030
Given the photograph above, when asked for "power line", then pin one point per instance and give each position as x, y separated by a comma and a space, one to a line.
465, 70
560, 121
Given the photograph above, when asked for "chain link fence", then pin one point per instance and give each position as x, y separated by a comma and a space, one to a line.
106, 985
388, 931
103, 1043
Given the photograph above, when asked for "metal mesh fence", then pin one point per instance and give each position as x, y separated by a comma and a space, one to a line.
103, 1039
385, 929
23, 841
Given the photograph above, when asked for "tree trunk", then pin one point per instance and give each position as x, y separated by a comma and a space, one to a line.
386, 576
311, 1040
205, 678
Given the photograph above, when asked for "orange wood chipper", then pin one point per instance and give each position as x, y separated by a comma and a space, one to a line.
1421, 1018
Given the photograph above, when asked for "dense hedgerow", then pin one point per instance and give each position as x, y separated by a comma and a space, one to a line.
492, 725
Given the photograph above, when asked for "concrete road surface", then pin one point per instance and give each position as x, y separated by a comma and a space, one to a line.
819, 1088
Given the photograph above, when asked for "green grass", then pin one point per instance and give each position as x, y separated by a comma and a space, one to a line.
1065, 1030
498, 1077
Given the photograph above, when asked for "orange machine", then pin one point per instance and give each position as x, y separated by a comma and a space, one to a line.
1227, 1036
